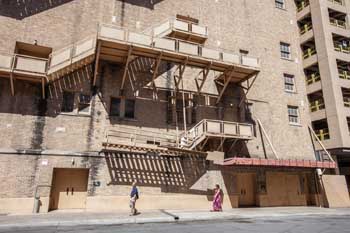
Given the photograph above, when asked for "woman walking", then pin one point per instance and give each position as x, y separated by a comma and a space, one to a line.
217, 199
134, 195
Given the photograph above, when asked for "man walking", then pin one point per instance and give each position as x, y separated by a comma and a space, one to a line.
134, 195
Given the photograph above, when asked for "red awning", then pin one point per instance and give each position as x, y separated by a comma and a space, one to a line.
278, 163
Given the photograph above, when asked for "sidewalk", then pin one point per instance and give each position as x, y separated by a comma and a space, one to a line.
80, 217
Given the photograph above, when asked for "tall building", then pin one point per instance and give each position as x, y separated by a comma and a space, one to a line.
176, 95
325, 45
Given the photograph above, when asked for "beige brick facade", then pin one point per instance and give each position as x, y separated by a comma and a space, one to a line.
36, 137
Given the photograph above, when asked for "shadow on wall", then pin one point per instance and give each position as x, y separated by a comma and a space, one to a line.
173, 174
20, 9
28, 97
145, 3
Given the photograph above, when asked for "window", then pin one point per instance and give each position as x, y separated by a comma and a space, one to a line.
285, 50
121, 107
280, 4
84, 104
293, 114
115, 107
289, 83
129, 108
68, 101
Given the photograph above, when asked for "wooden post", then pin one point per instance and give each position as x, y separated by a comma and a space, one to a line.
43, 87
224, 88
126, 67
321, 144
12, 84
268, 139
205, 75
97, 62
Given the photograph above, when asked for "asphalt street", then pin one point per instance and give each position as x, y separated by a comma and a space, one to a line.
309, 224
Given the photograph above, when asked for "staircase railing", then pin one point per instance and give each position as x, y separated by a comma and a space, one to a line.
140, 137
114, 33
216, 128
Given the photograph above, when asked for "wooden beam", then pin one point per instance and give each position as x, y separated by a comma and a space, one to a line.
227, 81
97, 62
181, 69
247, 89
43, 87
155, 71
268, 139
126, 70
205, 75
12, 84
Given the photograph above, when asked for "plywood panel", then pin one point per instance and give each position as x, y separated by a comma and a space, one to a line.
69, 189
336, 191
246, 189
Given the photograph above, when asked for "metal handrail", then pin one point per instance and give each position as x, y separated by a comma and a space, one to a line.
317, 105
305, 28
337, 23
15, 59
341, 48
340, 2
322, 134
302, 5
346, 101
315, 77
153, 39
344, 74
193, 135
309, 52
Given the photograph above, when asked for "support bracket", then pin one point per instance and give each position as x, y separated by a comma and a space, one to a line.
126, 68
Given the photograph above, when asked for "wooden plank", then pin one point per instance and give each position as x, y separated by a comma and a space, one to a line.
126, 70
12, 84
224, 88
205, 75
43, 87
155, 71
97, 62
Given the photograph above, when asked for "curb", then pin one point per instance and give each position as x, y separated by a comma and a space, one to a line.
166, 219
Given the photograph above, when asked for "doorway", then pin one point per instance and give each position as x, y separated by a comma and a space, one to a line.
246, 189
69, 188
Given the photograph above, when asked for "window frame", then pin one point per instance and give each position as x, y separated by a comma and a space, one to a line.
133, 108
122, 114
63, 109
284, 52
292, 115
119, 108
84, 103
280, 4
287, 76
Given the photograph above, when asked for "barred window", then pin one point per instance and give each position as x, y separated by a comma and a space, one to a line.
289, 82
285, 50
280, 4
293, 114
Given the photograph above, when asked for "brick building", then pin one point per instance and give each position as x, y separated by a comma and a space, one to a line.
177, 95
